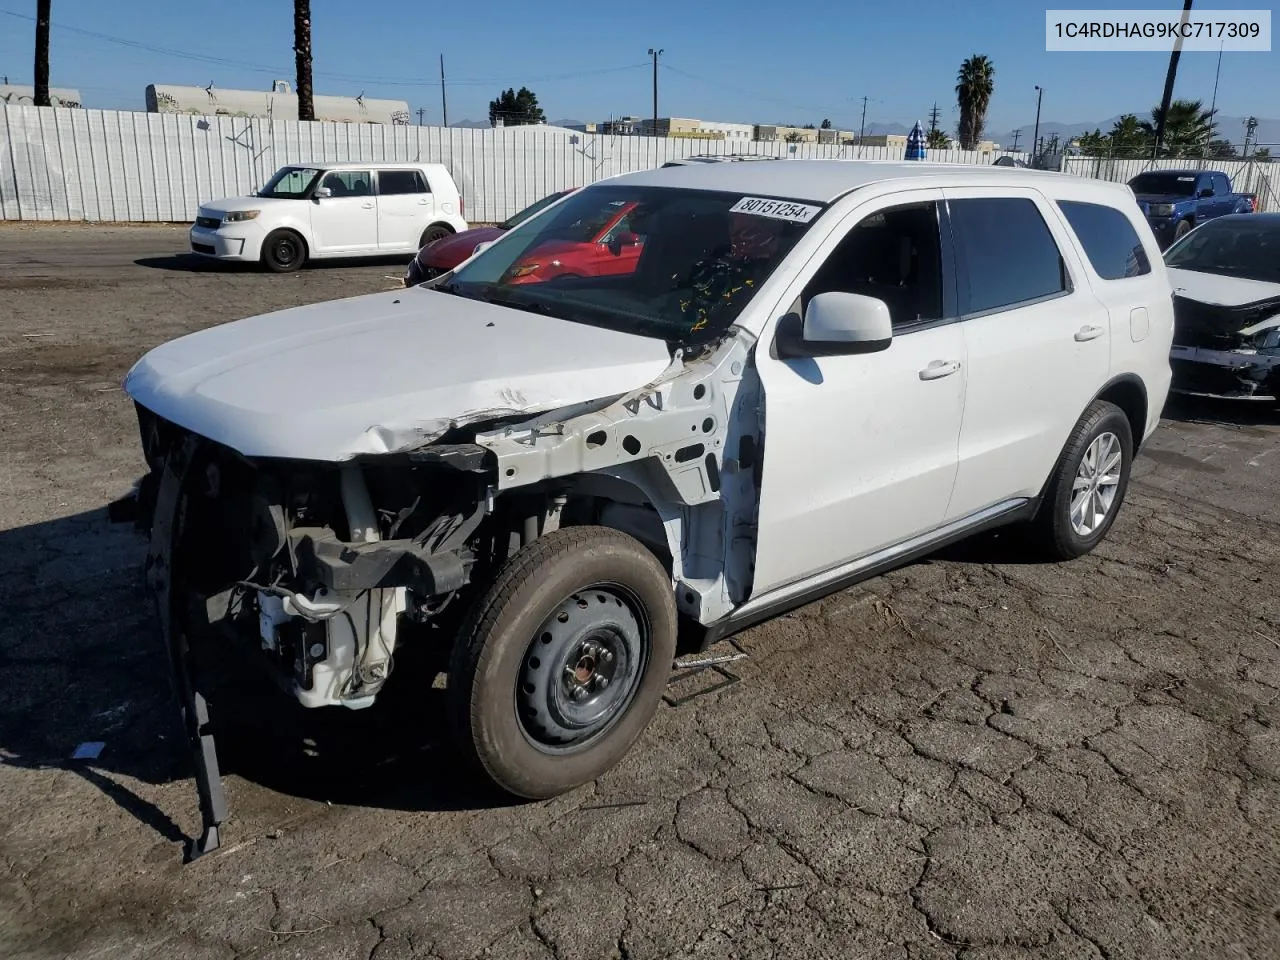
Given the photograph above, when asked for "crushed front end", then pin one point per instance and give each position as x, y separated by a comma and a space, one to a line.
1227, 351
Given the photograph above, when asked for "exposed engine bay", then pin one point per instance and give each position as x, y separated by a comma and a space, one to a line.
1227, 350
328, 567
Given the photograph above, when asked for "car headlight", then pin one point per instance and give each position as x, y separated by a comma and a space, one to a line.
235, 216
1161, 209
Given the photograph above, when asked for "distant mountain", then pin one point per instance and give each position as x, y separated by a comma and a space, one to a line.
1229, 128
471, 124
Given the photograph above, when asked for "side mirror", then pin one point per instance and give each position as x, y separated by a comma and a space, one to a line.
1205, 192
322, 192
837, 324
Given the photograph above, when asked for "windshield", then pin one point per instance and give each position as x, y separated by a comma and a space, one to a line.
1248, 248
290, 183
529, 211
679, 265
1165, 184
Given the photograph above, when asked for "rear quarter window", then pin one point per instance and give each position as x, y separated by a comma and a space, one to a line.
1108, 239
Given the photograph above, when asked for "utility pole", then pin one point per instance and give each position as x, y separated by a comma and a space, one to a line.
1169, 77
41, 79
444, 104
1016, 134
862, 127
933, 118
1035, 137
422, 112
655, 54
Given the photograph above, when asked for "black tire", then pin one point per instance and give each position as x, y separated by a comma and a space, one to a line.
1182, 229
1053, 533
437, 231
588, 583
283, 251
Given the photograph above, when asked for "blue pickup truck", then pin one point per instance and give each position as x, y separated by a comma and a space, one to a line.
1175, 201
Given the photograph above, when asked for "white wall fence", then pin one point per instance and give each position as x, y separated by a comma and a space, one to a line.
1247, 176
105, 165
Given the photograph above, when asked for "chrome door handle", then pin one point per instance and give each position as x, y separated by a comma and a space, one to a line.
1088, 333
939, 369
366, 206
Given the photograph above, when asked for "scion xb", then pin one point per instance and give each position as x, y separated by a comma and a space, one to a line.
814, 371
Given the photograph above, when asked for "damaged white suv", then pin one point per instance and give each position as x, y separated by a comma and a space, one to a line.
809, 372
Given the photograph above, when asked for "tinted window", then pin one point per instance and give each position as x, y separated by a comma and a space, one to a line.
1006, 251
1221, 185
1174, 184
392, 182
893, 255
348, 183
1108, 238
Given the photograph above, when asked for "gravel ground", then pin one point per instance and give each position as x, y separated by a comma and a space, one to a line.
972, 757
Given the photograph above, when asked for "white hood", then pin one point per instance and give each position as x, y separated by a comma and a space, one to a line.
1215, 289
381, 373
229, 204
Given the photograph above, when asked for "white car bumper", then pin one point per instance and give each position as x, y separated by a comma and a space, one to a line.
239, 241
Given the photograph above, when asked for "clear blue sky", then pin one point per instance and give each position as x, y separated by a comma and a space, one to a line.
749, 60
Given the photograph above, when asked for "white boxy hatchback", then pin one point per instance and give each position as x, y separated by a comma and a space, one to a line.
312, 211
809, 372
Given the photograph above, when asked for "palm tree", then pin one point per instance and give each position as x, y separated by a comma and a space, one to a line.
935, 139
974, 85
42, 53
1188, 127
1130, 137
302, 57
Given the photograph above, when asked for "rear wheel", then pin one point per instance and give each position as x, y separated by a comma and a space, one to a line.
563, 661
1088, 484
283, 251
437, 231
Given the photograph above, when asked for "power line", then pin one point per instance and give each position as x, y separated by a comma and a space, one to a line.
284, 71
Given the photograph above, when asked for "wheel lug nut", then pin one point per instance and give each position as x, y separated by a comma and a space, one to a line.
606, 656
602, 681
579, 693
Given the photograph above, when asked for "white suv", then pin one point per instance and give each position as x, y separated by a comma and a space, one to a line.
808, 373
312, 211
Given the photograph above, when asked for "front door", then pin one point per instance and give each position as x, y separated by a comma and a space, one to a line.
860, 450
404, 210
346, 221
1038, 341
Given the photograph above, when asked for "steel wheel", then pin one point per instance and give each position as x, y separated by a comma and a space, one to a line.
283, 251
582, 669
1093, 492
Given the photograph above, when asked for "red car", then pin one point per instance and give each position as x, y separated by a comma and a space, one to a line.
447, 252
602, 247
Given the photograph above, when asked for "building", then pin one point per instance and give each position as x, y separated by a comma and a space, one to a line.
280, 102
770, 133
26, 96
724, 130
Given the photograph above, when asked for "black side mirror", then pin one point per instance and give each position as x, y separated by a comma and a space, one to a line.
1205, 192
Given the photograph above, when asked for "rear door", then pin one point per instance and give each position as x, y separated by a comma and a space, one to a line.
346, 221
1038, 342
404, 209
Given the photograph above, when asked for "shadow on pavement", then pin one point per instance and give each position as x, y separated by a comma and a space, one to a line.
1214, 411
83, 664
194, 263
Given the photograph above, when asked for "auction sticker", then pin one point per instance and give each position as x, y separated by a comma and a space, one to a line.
777, 209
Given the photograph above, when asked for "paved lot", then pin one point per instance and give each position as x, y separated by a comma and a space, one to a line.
972, 757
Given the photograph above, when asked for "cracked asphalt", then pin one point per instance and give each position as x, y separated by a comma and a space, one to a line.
973, 757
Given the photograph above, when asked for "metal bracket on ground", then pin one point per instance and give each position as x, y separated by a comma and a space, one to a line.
689, 667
